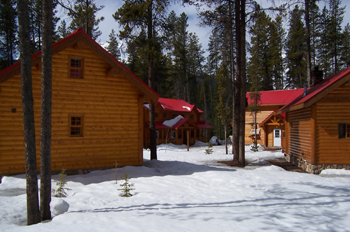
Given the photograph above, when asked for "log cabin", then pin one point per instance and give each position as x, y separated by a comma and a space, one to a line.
97, 109
174, 118
318, 124
270, 126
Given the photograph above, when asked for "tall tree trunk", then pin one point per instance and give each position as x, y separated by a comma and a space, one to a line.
46, 96
33, 214
237, 84
242, 41
235, 155
308, 43
152, 113
225, 128
205, 103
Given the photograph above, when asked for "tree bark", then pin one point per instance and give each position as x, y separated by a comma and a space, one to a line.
242, 41
237, 84
152, 114
46, 99
33, 214
308, 43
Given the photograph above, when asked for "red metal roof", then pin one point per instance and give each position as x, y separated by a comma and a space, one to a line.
319, 88
277, 97
176, 105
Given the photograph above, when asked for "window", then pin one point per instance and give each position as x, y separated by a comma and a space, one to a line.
164, 115
192, 133
76, 126
344, 130
205, 132
180, 133
174, 115
76, 68
174, 134
157, 134
192, 116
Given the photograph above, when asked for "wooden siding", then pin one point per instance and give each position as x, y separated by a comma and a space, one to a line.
299, 137
332, 110
110, 105
264, 112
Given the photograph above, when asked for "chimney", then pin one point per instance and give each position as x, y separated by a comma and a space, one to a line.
317, 76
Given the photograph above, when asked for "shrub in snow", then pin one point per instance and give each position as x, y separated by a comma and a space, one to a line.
254, 147
209, 150
61, 183
126, 187
58, 206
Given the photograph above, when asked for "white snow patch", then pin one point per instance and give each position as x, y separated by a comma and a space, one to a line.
172, 122
213, 140
187, 108
335, 172
146, 105
58, 206
191, 191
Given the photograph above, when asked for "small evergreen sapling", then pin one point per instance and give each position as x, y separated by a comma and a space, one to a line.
126, 187
209, 150
61, 183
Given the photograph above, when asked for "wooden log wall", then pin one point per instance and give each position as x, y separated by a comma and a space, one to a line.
261, 115
332, 110
110, 106
299, 137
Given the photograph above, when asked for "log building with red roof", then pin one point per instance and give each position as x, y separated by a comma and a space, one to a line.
270, 126
97, 109
174, 118
317, 125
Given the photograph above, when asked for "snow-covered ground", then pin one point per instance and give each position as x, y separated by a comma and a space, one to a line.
191, 191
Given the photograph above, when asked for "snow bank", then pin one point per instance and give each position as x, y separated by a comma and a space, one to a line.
58, 206
335, 172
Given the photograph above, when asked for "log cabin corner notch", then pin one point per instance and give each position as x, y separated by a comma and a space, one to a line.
96, 118
315, 125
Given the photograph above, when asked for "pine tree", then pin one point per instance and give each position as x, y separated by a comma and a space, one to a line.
277, 41
336, 15
126, 186
324, 55
83, 15
35, 18
8, 31
195, 65
315, 32
180, 55
295, 51
259, 67
112, 47
345, 52
223, 108
62, 30
144, 18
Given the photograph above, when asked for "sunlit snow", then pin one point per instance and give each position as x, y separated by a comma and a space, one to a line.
191, 191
